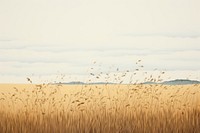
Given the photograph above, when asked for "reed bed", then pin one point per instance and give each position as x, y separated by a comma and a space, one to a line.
102, 108
108, 108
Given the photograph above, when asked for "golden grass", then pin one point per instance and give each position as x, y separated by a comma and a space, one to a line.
113, 108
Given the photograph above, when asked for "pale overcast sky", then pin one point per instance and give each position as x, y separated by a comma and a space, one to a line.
45, 38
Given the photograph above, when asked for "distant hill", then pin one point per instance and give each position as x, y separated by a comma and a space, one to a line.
171, 82
74, 83
82, 83
181, 82
149, 83
101, 83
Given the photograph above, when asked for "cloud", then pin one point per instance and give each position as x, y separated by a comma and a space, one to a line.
111, 43
5, 40
43, 37
13, 61
84, 22
172, 34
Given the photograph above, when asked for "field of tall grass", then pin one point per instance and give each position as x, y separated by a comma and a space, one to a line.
108, 108
101, 108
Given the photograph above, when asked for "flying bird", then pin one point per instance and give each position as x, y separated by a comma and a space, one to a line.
29, 80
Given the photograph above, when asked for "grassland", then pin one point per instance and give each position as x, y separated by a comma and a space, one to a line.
47, 108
